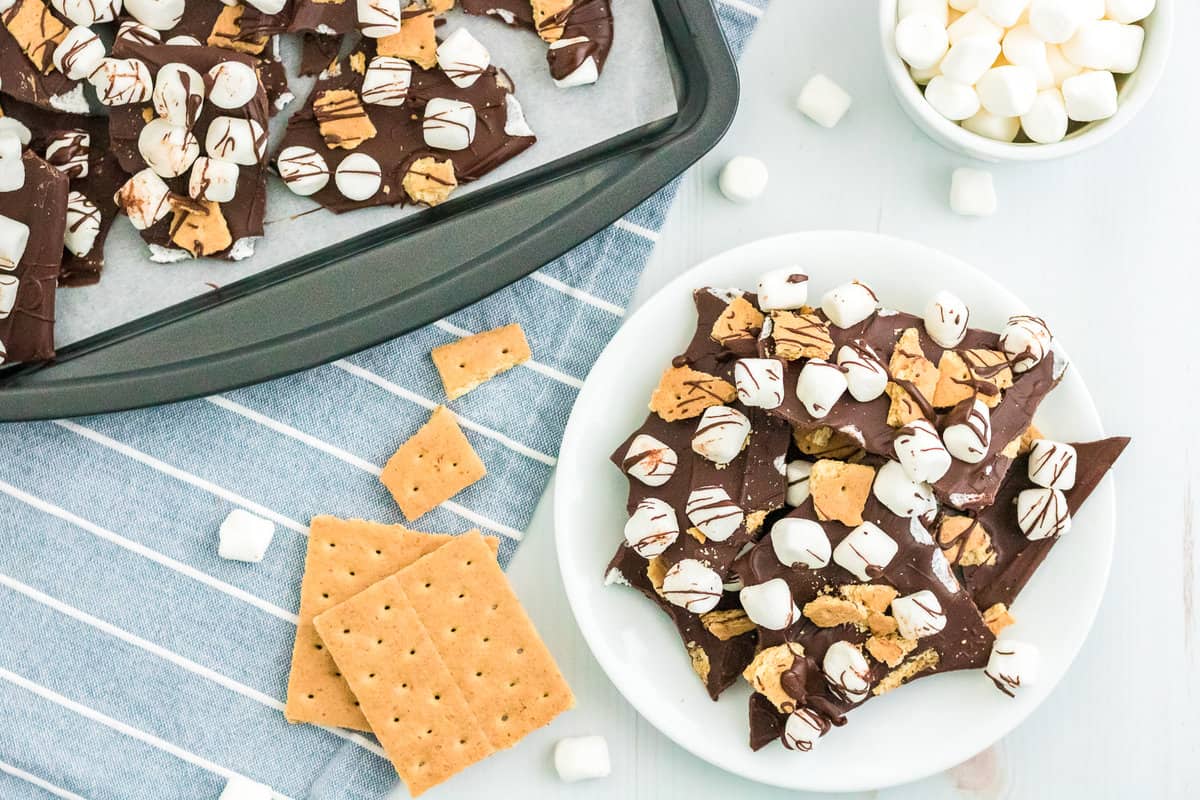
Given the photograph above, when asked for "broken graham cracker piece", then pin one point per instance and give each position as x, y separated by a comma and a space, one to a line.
1031, 435
429, 181
971, 373
739, 321
342, 119
486, 639
862, 605
840, 490
727, 624
700, 663
825, 442
408, 693
227, 33
36, 30
549, 17
436, 463
764, 672
683, 393
468, 362
200, 228
926, 659
998, 618
799, 335
909, 367
416, 41
890, 649
965, 541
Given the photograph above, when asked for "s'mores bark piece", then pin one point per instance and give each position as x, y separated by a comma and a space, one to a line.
436, 463
468, 362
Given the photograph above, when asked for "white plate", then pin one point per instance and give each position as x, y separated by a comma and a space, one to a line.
916, 731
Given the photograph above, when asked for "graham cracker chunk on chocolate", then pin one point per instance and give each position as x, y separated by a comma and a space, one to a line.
683, 393
200, 228
840, 490
739, 321
549, 17
435, 464
342, 119
227, 33
416, 41
420, 715
429, 181
37, 31
470, 361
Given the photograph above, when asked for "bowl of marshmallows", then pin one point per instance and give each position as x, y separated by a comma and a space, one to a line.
1024, 80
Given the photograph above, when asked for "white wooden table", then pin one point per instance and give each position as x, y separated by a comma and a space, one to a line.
1105, 246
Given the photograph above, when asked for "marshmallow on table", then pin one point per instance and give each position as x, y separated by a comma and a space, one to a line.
303, 169
946, 320
692, 585
1047, 121
783, 289
245, 536
386, 81
358, 177
1052, 464
1127, 11
847, 671
969, 437
770, 604
1043, 513
87, 12
650, 460
83, 224
582, 758
1004, 13
449, 124
866, 376
969, 58
800, 541
938, 8
233, 84
79, 54
1023, 48
798, 490
378, 18
918, 615
820, 385
759, 382
1012, 666
1090, 96
652, 527
993, 126
14, 236
712, 510
865, 551
974, 23
742, 179
954, 101
921, 452
240, 788
1106, 45
849, 304
161, 15
972, 192
720, 434
213, 180
1007, 91
921, 40
823, 101
903, 496
463, 58
1026, 340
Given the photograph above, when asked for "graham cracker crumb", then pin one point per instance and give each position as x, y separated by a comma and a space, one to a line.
890, 650
998, 618
429, 181
697, 534
656, 570
909, 364
799, 335
358, 62
727, 624
768, 666
840, 490
683, 393
927, 659
754, 521
342, 119
700, 661
828, 611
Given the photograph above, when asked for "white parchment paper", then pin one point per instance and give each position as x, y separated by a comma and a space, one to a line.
635, 89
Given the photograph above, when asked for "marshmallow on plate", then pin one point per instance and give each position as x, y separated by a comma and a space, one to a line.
79, 54
901, 494
1052, 464
918, 615
798, 490
759, 382
820, 385
783, 289
358, 177
969, 58
823, 101
14, 236
946, 320
1043, 513
865, 551
239, 788
849, 304
581, 758
800, 541
866, 375
721, 434
770, 605
386, 82
1103, 44
161, 15
954, 101
921, 452
972, 193
68, 151
144, 198
378, 18
1026, 340
712, 510
463, 58
802, 730
1090, 96
649, 460
122, 81
921, 40
652, 528
245, 536
1012, 666
213, 180
303, 169
83, 224
233, 84
1046, 122
692, 585
847, 671
449, 124
968, 434
742, 179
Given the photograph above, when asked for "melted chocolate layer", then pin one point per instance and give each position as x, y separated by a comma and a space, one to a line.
591, 20
20, 79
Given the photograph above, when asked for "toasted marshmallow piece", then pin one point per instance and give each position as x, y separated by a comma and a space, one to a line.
938, 8
179, 94
1043, 513
358, 177
386, 81
1026, 341
12, 164
233, 84
213, 180
972, 192
122, 81
650, 460
144, 198
1128, 11
847, 671
88, 12
240, 788
901, 494
463, 58
1047, 121
1004, 13
921, 40
921, 452
168, 149
137, 33
865, 551
1007, 91
303, 169
83, 224
721, 434
1090, 96
970, 439
918, 615
378, 18
759, 382
586, 73
820, 385
974, 23
1055, 21
866, 375
1052, 464
582, 758
849, 304
161, 15
1103, 44
692, 585
79, 54
946, 320
993, 126
245, 536
804, 727
449, 124
801, 541
1012, 666
798, 490
712, 510
954, 101
69, 151
783, 289
770, 605
823, 101
14, 236
969, 58
742, 179
241, 141
10, 285
652, 528
268, 6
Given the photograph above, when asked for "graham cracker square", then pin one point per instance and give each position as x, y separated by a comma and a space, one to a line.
37, 31
840, 490
342, 119
470, 361
435, 464
416, 41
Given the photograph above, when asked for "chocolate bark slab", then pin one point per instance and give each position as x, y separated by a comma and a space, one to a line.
322, 16
588, 20
20, 79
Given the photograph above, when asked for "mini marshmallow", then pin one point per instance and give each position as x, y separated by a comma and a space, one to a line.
386, 81
1012, 666
267, 6
161, 15
144, 198
969, 58
1004, 13
954, 101
849, 304
865, 551
183, 40
1043, 513
239, 788
122, 81
974, 23
167, 149
10, 285
968, 440
378, 18
303, 169
213, 180
946, 320
963, 6
68, 151
1103, 44
803, 729
770, 604
245, 536
690, 584
918, 615
921, 40
652, 528
972, 193
1046, 122
463, 58
923, 76
1060, 68
1128, 11
79, 54
88, 12
587, 72
649, 460
993, 126
712, 510
137, 33
847, 671
742, 179
12, 164
1090, 96
901, 494
721, 434
759, 382
797, 473
13, 127
83, 224
449, 124
233, 84
1052, 464
1055, 21
937, 8
1025, 340
1023, 48
178, 94
241, 141
582, 758
819, 386
14, 236
1008, 91
783, 289
921, 452
358, 177
800, 541
823, 101
866, 375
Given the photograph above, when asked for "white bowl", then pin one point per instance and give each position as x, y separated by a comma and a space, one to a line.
1135, 90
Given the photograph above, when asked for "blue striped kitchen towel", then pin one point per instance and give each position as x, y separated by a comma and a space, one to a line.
135, 664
